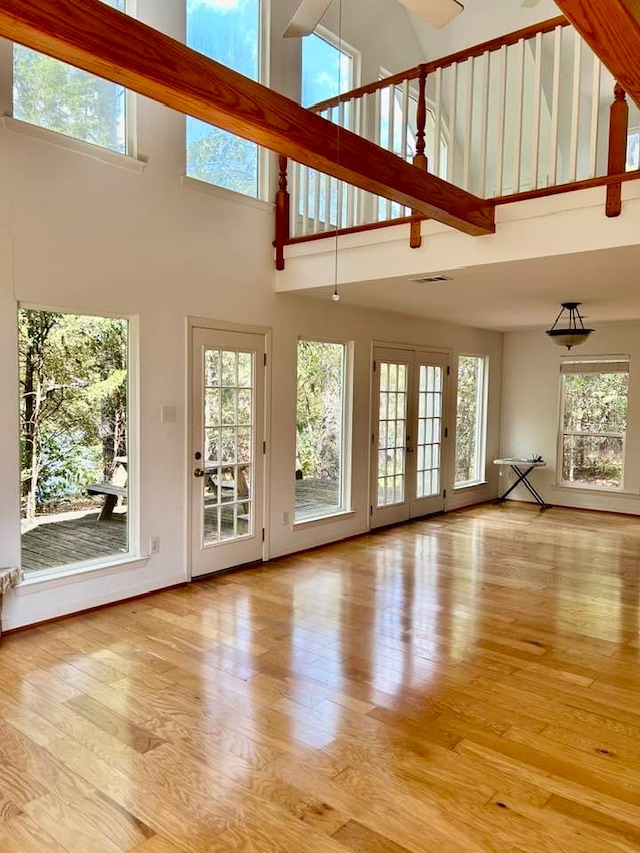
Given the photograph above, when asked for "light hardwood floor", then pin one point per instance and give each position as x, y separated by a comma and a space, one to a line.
466, 683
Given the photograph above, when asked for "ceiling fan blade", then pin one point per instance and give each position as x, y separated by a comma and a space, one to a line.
306, 19
439, 13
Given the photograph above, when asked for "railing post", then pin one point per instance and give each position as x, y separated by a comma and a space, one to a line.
282, 212
420, 158
618, 132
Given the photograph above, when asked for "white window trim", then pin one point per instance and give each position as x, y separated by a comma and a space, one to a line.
74, 145
346, 457
133, 557
587, 487
481, 425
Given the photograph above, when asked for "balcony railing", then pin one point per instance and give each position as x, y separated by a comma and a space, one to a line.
526, 114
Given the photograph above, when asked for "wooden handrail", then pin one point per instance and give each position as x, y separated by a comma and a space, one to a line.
429, 67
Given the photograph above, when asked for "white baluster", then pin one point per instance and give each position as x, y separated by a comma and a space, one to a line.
555, 107
537, 98
502, 113
595, 116
438, 124
484, 124
575, 108
519, 107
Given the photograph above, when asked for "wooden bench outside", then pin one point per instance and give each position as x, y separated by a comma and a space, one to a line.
111, 494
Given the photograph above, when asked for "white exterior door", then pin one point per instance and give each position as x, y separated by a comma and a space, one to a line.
408, 434
227, 450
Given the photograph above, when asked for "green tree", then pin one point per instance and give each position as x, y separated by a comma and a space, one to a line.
52, 94
223, 159
469, 378
319, 411
73, 379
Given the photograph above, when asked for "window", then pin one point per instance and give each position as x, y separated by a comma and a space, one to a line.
321, 487
74, 419
471, 421
593, 422
328, 69
229, 32
59, 97
633, 149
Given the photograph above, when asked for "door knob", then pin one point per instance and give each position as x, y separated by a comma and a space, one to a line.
198, 472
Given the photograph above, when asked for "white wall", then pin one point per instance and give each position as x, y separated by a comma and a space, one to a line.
530, 412
481, 21
94, 235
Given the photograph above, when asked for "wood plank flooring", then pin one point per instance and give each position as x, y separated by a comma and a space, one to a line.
466, 683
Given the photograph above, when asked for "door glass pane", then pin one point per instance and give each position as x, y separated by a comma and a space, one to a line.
227, 502
391, 434
429, 431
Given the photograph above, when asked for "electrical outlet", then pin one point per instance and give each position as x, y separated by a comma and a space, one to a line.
286, 518
154, 545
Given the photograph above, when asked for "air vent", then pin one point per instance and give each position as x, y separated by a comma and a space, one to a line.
431, 279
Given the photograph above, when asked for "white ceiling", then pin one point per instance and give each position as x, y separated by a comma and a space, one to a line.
481, 20
515, 295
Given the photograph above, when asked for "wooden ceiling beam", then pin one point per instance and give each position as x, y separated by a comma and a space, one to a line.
612, 29
93, 36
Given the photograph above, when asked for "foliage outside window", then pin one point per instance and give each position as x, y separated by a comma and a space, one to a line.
594, 423
320, 421
59, 97
470, 421
633, 149
230, 33
74, 434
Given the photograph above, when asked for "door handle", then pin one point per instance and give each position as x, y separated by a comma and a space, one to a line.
198, 472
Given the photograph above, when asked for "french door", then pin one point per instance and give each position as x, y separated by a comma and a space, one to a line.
227, 452
408, 434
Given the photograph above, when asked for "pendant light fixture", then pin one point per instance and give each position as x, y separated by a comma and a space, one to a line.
573, 332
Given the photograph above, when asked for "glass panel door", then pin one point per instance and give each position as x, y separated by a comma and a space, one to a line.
429, 373
407, 437
227, 434
390, 417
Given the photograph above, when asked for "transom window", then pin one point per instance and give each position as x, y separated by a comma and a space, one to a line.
51, 94
593, 422
470, 421
231, 33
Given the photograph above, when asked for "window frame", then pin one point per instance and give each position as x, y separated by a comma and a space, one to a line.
129, 106
264, 160
589, 487
481, 430
343, 47
346, 451
134, 554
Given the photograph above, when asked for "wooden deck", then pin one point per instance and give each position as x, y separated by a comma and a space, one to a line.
58, 543
459, 685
